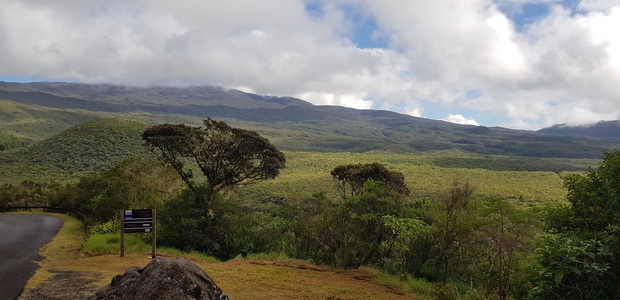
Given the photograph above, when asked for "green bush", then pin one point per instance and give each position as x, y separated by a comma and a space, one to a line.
223, 229
573, 268
111, 227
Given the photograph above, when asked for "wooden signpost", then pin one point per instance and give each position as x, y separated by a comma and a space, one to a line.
139, 221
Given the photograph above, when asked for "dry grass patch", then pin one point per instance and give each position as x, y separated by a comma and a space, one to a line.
286, 279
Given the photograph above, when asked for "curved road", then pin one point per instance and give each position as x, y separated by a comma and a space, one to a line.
20, 237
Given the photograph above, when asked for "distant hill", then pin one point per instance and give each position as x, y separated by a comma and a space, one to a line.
39, 110
85, 148
602, 129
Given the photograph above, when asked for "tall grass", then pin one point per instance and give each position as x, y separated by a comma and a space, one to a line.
417, 286
110, 243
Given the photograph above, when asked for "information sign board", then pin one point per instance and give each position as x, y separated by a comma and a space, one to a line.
138, 221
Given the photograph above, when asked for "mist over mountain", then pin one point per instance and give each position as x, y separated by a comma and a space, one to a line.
602, 129
290, 123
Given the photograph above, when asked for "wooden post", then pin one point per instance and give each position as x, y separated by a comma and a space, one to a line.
154, 236
122, 233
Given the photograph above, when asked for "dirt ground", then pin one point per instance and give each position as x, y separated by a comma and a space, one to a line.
65, 285
240, 279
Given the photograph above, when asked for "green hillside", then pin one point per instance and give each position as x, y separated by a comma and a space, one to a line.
44, 143
29, 123
86, 148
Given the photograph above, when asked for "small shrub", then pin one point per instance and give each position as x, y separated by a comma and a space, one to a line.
110, 227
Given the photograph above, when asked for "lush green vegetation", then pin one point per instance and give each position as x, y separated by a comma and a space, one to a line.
81, 150
9, 141
31, 123
580, 259
425, 174
96, 145
468, 222
133, 182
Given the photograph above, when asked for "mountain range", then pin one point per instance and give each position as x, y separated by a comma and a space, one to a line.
290, 123
601, 129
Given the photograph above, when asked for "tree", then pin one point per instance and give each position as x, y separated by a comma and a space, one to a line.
573, 267
226, 156
405, 232
362, 229
350, 179
369, 192
365, 233
505, 234
131, 183
581, 260
202, 218
454, 203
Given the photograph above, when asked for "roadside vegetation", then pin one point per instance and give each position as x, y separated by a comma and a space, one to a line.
448, 225
74, 269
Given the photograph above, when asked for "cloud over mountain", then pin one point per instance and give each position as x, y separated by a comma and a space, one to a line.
428, 58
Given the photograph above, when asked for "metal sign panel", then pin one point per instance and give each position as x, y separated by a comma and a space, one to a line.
133, 214
140, 224
138, 230
138, 221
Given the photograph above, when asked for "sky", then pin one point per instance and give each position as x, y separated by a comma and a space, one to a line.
521, 64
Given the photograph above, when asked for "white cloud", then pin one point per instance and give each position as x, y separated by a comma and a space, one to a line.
459, 119
415, 111
348, 100
563, 66
598, 5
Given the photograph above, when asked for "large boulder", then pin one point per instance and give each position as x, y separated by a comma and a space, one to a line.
162, 279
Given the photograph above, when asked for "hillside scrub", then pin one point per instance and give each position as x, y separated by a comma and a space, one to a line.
489, 245
81, 150
309, 173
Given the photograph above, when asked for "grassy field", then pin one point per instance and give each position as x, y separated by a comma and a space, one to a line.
67, 272
532, 181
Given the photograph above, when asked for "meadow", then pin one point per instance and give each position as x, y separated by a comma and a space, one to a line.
529, 181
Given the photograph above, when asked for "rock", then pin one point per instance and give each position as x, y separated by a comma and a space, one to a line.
162, 279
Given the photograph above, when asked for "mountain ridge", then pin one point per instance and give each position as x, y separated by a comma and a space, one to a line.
601, 129
295, 125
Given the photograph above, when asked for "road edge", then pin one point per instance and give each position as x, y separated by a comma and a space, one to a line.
68, 241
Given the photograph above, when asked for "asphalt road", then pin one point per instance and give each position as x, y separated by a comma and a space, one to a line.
20, 237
